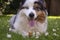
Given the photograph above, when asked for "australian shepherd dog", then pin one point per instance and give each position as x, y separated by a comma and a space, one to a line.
31, 18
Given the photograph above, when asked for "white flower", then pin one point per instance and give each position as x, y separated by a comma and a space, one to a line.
10, 29
55, 34
46, 34
8, 35
53, 30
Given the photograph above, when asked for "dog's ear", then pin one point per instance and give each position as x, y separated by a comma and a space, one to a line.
22, 2
43, 3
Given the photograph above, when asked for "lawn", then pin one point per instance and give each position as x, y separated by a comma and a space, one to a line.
53, 30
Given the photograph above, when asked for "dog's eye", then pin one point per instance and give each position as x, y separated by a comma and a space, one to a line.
24, 8
37, 8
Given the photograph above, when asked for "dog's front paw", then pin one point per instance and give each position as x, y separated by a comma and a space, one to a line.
37, 35
24, 34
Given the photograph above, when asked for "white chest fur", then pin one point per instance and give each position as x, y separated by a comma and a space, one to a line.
22, 25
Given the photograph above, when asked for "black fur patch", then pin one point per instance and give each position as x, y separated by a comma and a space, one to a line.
22, 2
41, 3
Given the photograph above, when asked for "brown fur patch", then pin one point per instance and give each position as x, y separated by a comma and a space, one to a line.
41, 16
30, 34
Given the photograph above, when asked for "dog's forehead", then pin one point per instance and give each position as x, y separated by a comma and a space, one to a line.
29, 3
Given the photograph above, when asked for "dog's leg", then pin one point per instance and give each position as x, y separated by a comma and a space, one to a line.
37, 34
24, 34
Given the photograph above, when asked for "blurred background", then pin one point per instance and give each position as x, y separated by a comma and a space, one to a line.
11, 7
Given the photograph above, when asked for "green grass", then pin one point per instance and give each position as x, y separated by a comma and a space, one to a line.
53, 23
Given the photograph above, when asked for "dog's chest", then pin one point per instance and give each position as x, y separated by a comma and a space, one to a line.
23, 24
27, 26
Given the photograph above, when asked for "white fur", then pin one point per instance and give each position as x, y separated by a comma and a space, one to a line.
21, 24
29, 3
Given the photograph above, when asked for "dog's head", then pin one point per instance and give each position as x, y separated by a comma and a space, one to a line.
33, 9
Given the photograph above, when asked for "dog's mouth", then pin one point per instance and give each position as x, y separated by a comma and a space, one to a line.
31, 22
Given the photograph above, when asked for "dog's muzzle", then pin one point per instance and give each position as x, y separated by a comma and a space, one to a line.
31, 20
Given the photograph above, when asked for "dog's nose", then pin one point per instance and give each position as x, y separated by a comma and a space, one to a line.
31, 15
